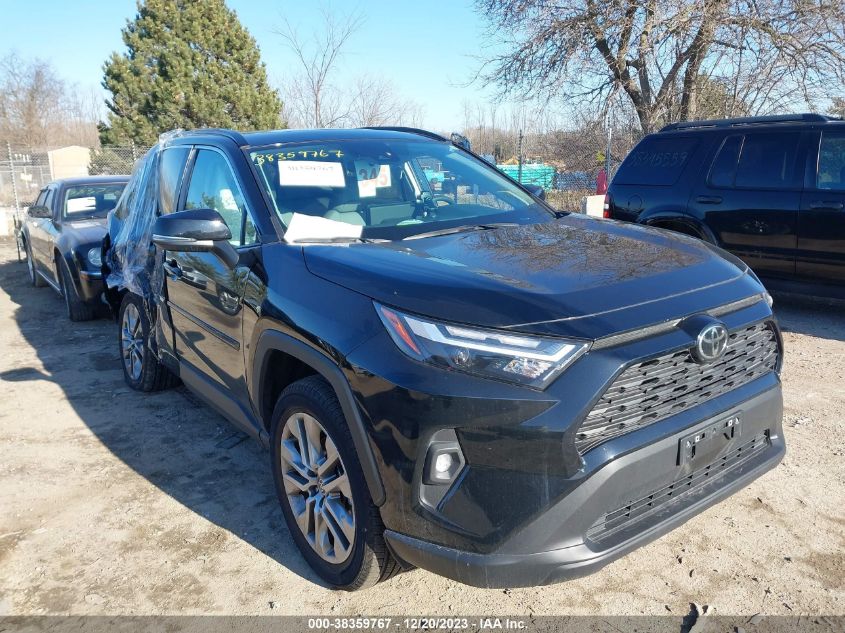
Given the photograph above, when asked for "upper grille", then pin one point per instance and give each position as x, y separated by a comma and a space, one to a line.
655, 389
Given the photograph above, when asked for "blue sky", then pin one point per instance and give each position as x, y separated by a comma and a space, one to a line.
425, 48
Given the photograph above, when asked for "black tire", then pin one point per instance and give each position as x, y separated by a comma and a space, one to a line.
152, 375
369, 561
34, 278
76, 309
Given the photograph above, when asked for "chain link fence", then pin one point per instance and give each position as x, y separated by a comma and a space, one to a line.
24, 171
568, 164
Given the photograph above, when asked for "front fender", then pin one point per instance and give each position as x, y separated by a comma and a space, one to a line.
273, 340
69, 250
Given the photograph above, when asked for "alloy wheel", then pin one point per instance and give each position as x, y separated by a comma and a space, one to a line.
317, 488
132, 342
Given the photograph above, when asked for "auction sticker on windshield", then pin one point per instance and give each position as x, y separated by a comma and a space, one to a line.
311, 173
371, 177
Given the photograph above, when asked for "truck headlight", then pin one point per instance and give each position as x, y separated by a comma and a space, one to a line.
94, 256
519, 358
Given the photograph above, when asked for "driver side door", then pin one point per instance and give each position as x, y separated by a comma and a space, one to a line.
204, 293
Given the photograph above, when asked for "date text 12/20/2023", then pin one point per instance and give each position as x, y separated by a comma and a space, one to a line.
414, 624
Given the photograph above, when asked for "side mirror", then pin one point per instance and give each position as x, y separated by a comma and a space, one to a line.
460, 140
536, 190
39, 211
195, 231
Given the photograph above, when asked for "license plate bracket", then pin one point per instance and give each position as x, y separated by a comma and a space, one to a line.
710, 439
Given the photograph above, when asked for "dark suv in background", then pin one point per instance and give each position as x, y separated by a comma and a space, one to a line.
448, 374
771, 190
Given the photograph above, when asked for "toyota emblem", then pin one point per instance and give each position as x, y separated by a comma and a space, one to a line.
711, 343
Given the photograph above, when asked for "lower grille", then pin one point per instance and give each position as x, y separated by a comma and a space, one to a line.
676, 495
656, 389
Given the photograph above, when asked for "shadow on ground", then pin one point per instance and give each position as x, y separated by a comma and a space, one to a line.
172, 440
821, 318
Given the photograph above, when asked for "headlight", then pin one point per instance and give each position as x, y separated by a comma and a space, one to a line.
529, 360
95, 257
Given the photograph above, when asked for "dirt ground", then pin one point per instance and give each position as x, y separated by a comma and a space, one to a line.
115, 502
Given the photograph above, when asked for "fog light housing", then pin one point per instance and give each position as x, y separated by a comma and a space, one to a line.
443, 463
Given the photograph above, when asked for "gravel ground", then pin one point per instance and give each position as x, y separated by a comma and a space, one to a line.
114, 502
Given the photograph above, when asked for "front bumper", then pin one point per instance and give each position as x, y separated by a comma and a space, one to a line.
630, 501
90, 287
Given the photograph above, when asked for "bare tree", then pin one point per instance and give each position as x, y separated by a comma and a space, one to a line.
768, 53
312, 97
30, 96
374, 101
37, 108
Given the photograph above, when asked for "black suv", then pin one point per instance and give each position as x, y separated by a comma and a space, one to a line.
771, 190
448, 375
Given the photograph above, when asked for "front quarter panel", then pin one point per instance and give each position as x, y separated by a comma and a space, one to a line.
282, 296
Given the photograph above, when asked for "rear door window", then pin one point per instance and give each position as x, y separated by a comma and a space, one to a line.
723, 172
756, 161
767, 161
656, 160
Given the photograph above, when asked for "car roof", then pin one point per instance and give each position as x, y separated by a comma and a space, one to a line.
778, 121
90, 180
274, 137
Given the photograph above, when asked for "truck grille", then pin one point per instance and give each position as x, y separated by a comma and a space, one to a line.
681, 493
656, 389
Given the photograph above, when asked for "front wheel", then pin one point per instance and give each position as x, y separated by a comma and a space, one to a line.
76, 309
322, 491
141, 369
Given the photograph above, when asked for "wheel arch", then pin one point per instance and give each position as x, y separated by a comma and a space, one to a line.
274, 346
62, 251
681, 223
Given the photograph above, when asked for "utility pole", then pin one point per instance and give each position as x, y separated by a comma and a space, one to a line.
609, 130
14, 180
519, 156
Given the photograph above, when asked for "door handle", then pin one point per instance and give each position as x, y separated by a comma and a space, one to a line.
709, 199
826, 204
172, 268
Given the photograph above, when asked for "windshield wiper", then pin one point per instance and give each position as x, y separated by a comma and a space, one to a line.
461, 229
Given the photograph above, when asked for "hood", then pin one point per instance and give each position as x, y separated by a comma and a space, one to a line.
571, 277
87, 231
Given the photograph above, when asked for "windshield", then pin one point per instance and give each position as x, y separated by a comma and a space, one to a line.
91, 201
386, 189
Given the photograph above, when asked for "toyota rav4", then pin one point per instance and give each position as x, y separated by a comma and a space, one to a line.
456, 377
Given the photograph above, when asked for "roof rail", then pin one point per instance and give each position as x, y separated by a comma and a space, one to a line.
806, 117
234, 135
408, 130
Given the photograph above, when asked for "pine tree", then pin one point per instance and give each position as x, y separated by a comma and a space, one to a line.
188, 64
